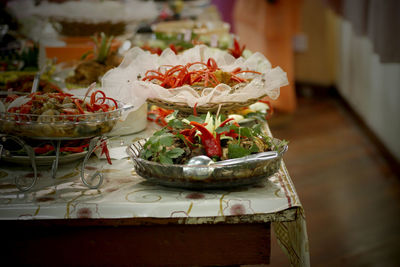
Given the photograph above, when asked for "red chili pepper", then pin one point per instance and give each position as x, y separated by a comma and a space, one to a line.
78, 105
236, 51
225, 122
231, 133
26, 108
189, 134
44, 149
160, 115
173, 48
194, 109
210, 143
104, 150
11, 97
93, 97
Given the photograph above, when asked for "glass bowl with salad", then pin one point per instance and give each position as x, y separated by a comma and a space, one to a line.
205, 152
60, 115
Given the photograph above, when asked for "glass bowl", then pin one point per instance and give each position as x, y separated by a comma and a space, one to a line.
61, 126
241, 172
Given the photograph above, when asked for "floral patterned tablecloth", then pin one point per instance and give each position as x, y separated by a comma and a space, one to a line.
124, 194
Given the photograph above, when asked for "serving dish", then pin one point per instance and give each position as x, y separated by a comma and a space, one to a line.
223, 174
60, 126
43, 160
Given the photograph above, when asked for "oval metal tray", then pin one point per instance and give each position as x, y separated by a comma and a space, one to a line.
44, 160
215, 176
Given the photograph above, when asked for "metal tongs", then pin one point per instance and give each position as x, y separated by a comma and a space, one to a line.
36, 79
203, 160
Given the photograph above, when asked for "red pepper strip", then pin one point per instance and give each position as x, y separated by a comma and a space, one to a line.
236, 51
76, 101
225, 122
237, 79
104, 150
11, 98
185, 132
195, 109
174, 69
211, 64
188, 142
75, 149
231, 133
210, 143
154, 71
173, 48
189, 134
93, 97
212, 75
160, 114
44, 149
113, 100
152, 77
187, 79
25, 108
236, 70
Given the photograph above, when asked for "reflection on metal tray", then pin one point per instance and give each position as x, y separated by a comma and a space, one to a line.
43, 160
241, 173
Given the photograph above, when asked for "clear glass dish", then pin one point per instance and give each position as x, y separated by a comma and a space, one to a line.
61, 126
214, 176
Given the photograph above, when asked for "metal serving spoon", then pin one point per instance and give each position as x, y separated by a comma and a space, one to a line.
204, 160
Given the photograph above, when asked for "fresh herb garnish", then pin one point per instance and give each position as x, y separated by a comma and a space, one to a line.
159, 148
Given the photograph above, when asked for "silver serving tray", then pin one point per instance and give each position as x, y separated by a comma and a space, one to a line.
223, 174
43, 160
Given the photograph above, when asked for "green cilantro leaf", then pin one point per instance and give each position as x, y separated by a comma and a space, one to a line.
236, 151
254, 149
195, 118
175, 153
165, 160
222, 129
244, 131
176, 124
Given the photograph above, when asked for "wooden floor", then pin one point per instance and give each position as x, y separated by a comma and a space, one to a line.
350, 194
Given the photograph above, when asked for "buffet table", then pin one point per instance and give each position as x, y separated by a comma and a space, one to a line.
129, 221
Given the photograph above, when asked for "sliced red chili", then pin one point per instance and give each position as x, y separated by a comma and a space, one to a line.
210, 143
43, 149
78, 105
104, 150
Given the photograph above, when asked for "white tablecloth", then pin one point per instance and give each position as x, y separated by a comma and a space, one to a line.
124, 194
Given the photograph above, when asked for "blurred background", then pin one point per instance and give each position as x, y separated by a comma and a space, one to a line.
339, 112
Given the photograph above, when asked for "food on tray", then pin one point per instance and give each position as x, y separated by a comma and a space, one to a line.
24, 84
63, 104
236, 50
197, 74
47, 148
261, 110
90, 71
60, 115
183, 139
85, 18
19, 55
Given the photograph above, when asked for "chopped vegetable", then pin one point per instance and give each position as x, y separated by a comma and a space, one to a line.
183, 139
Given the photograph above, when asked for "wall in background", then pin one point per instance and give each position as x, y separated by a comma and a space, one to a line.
336, 55
315, 62
369, 86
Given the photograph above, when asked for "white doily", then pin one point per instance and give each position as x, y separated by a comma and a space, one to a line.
124, 82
